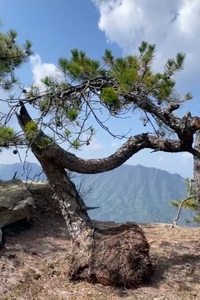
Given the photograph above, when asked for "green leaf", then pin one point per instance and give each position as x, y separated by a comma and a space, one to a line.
6, 135
72, 114
109, 95
67, 133
12, 33
76, 144
31, 130
143, 47
63, 65
44, 142
180, 58
188, 96
108, 57
48, 81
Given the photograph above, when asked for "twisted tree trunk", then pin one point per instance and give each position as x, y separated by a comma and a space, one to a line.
117, 256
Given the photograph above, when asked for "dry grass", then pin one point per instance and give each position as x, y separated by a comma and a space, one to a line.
34, 264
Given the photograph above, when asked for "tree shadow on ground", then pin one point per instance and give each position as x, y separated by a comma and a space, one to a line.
180, 266
40, 235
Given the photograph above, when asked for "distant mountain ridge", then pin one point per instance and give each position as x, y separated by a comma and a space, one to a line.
128, 193
24, 172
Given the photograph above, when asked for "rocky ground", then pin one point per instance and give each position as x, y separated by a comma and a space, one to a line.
34, 263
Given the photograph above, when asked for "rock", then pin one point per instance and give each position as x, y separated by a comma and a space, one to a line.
16, 202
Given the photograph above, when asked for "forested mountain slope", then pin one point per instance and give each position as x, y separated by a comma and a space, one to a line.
128, 193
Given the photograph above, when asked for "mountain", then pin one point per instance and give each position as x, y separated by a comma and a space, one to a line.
136, 193
24, 171
126, 194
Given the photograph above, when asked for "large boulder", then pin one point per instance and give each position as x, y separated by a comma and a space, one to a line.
16, 202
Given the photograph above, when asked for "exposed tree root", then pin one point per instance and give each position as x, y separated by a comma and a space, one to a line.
119, 256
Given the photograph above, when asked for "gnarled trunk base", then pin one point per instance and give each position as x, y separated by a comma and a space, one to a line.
119, 256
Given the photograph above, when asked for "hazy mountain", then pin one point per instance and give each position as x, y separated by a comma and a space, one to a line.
24, 172
128, 193
136, 193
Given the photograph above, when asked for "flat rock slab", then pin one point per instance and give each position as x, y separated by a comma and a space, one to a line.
16, 202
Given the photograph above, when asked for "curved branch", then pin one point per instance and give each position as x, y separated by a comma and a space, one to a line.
179, 210
73, 163
127, 150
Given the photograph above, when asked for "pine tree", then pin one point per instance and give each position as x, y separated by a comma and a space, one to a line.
102, 89
12, 57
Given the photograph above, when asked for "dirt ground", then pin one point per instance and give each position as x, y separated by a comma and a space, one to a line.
34, 264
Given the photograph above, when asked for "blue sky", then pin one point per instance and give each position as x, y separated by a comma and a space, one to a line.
56, 27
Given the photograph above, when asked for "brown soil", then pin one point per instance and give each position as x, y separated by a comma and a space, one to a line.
34, 264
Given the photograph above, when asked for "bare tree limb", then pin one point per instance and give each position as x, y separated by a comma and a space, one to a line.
179, 210
189, 196
184, 127
73, 163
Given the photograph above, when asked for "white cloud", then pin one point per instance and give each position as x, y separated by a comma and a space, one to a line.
172, 25
40, 69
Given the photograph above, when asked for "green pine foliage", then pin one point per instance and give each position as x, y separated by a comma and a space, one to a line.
131, 73
7, 136
119, 76
80, 66
110, 96
12, 57
31, 130
101, 84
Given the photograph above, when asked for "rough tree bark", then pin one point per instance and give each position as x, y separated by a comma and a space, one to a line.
118, 256
197, 167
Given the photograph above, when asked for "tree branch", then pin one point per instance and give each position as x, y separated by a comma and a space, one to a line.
184, 127
127, 150
179, 210
73, 163
194, 152
189, 196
